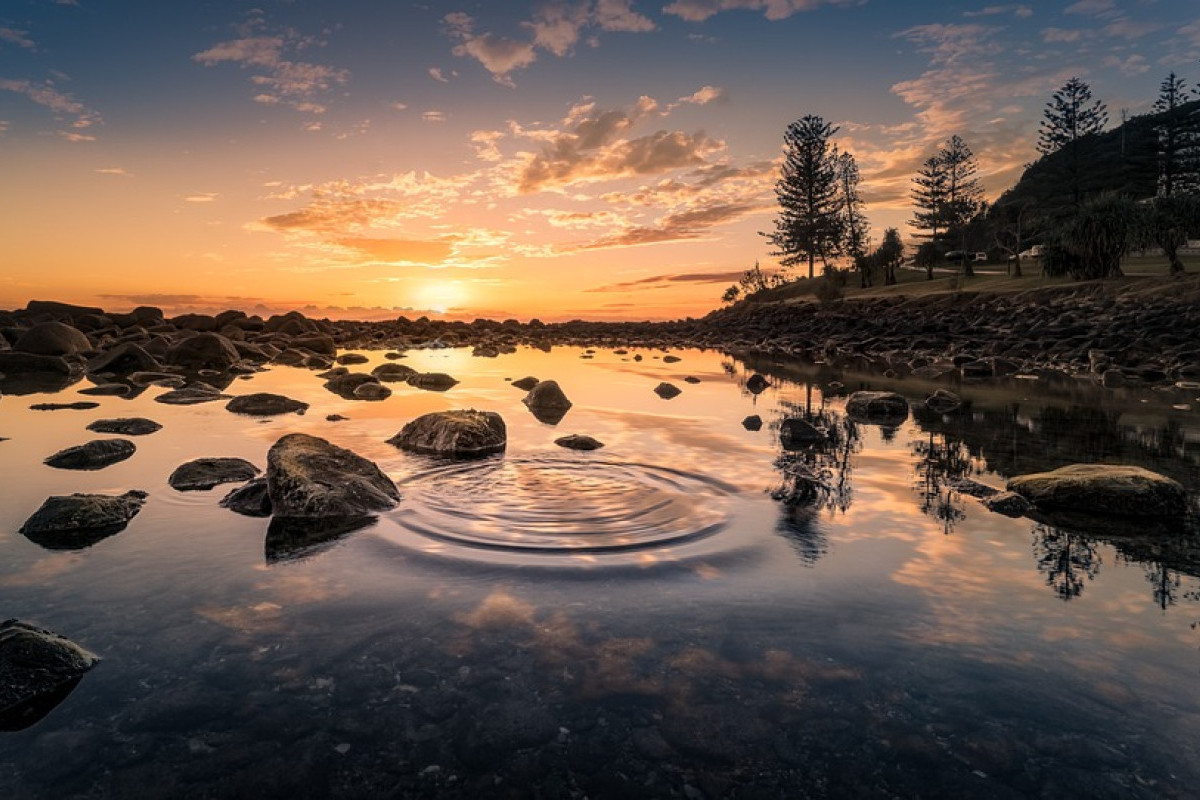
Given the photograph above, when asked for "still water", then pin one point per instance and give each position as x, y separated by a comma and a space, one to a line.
642, 620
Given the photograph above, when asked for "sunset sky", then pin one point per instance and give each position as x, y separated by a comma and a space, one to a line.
605, 159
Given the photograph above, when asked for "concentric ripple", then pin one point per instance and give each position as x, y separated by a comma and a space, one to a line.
562, 506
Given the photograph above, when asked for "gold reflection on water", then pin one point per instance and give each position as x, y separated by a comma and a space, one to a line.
499, 610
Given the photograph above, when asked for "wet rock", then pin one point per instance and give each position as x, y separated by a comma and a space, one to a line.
796, 434
882, 408
973, 488
195, 322
265, 404
460, 434
1010, 504
52, 339
943, 402
38, 669
346, 385
335, 418
107, 390
671, 359
1103, 489
432, 381
393, 373
125, 426
156, 378
250, 499
204, 350
752, 423
71, 522
320, 344
123, 359
205, 473
310, 477
691, 379
667, 390
485, 351
96, 454
352, 358
295, 538
78, 405
372, 391
757, 384
14, 363
526, 383
579, 441
191, 395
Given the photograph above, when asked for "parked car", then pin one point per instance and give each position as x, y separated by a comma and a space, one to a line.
957, 255
1033, 252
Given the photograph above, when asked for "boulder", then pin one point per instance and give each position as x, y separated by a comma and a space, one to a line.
320, 344
78, 405
432, 381
347, 384
14, 363
547, 395
943, 402
1010, 504
124, 359
38, 669
53, 339
752, 423
671, 359
460, 434
125, 426
757, 384
70, 522
667, 390
205, 473
796, 434
579, 441
352, 358
250, 499
393, 373
96, 454
526, 383
372, 391
265, 404
195, 322
883, 408
309, 477
204, 350
1103, 490
191, 395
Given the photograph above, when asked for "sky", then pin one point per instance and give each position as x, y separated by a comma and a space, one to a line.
596, 159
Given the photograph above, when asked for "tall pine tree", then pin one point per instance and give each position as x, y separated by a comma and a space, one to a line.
1178, 140
1070, 115
964, 195
929, 196
809, 224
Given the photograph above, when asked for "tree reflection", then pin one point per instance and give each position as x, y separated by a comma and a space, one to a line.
1165, 584
941, 461
1067, 558
818, 474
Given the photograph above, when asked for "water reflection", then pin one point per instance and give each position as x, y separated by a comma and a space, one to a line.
941, 462
1068, 560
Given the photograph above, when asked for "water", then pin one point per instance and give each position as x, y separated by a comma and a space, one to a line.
640, 620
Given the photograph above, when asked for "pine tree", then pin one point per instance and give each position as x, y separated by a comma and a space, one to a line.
929, 196
964, 195
809, 221
854, 221
1070, 115
1178, 140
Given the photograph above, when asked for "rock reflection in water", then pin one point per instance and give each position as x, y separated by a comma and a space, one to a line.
294, 538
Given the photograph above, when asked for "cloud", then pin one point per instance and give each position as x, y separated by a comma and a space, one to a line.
1133, 65
671, 280
76, 137
409, 251
705, 95
498, 55
700, 10
202, 197
437, 74
556, 25
433, 115
284, 80
1091, 8
17, 37
692, 223
618, 15
1064, 35
115, 171
62, 104
1021, 11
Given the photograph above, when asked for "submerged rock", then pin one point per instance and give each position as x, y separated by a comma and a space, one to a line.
265, 404
393, 373
579, 441
1103, 489
526, 383
125, 426
205, 473
372, 391
78, 405
96, 454
38, 669
432, 381
347, 384
191, 395
310, 477
461, 434
250, 499
71, 522
882, 408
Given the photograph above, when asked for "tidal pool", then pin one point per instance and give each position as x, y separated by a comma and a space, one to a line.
642, 620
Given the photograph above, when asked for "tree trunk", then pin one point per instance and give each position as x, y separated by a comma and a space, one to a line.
1016, 270
811, 260
1172, 254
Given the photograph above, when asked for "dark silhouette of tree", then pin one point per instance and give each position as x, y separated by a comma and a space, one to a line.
1008, 224
809, 224
1165, 584
1070, 115
753, 281
854, 221
1068, 560
1178, 139
889, 254
929, 197
1166, 222
941, 462
947, 195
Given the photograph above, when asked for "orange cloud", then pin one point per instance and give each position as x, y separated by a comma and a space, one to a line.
402, 250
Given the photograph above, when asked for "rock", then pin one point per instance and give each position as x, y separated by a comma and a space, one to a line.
195, 322
757, 384
156, 378
205, 473
526, 383
1112, 379
973, 488
107, 390
125, 426
1103, 489
38, 669
204, 350
671, 359
335, 418
752, 423
666, 390
78, 405
352, 358
96, 454
70, 522
320, 344
432, 381
393, 373
295, 538
578, 441
461, 434
691, 379
372, 391
547, 401
191, 395
1010, 504
13, 363
796, 434
250, 499
52, 339
943, 402
265, 404
123, 359
347, 384
309, 477
883, 408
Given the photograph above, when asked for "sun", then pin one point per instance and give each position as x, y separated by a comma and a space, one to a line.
440, 296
